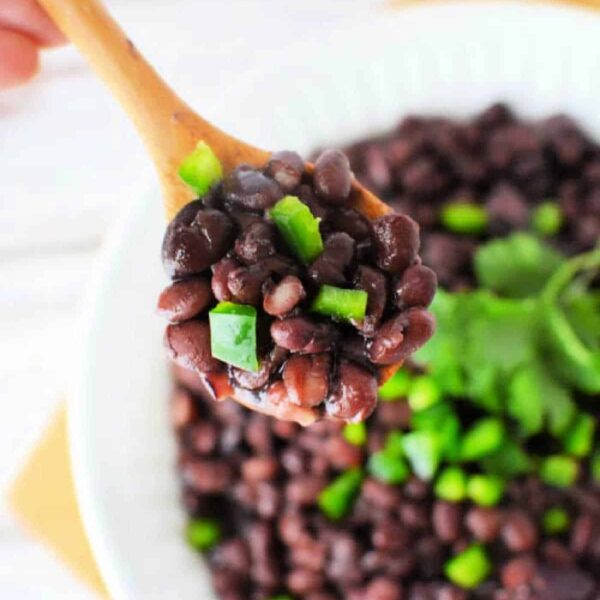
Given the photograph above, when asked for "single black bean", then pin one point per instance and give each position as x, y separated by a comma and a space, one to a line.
286, 168
281, 298
255, 380
188, 345
416, 287
350, 221
374, 283
185, 299
250, 189
396, 240
332, 176
306, 378
256, 242
354, 393
196, 239
401, 336
220, 277
300, 334
331, 265
245, 283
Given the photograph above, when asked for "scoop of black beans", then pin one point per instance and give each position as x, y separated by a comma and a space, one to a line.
224, 247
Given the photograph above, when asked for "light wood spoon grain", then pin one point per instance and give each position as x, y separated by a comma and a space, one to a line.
169, 128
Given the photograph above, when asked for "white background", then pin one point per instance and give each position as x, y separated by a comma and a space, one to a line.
68, 161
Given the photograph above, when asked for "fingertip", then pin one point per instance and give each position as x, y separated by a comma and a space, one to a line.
20, 59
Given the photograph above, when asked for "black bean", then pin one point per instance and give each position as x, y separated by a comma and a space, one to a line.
351, 222
219, 281
250, 189
286, 168
281, 298
332, 176
304, 581
208, 476
568, 583
344, 561
401, 336
183, 408
446, 519
306, 379
245, 283
330, 267
518, 572
255, 380
354, 394
204, 437
416, 287
196, 239
256, 242
507, 209
519, 532
188, 345
300, 334
185, 299
341, 454
484, 523
374, 283
396, 240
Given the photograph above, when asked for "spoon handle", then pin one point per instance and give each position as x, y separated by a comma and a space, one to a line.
167, 126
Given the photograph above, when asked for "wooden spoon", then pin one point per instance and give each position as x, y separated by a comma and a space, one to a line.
169, 128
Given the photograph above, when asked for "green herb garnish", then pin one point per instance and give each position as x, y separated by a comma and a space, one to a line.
579, 438
201, 169
388, 467
469, 568
203, 534
556, 521
485, 490
464, 217
298, 227
484, 438
559, 471
233, 334
547, 219
341, 303
424, 393
355, 433
337, 498
451, 485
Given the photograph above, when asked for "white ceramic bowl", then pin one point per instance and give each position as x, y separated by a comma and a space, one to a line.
449, 59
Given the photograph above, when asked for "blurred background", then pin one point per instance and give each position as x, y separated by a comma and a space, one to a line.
69, 161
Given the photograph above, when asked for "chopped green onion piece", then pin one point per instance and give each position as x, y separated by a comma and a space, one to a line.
388, 468
424, 393
595, 467
393, 443
485, 490
559, 471
233, 334
336, 499
355, 433
547, 219
396, 386
555, 521
298, 227
341, 303
424, 452
464, 217
469, 568
484, 437
580, 436
201, 169
202, 534
451, 485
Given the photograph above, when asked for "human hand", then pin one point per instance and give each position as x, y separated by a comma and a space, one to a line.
24, 29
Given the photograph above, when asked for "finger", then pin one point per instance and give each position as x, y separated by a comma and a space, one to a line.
28, 17
19, 58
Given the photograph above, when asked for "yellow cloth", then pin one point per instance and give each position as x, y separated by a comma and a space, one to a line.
43, 495
43, 498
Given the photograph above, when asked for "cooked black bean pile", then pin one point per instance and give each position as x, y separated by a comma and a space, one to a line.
260, 478
223, 247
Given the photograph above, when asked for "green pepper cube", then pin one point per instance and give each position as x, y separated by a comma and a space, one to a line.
424, 452
341, 303
202, 534
298, 227
233, 334
559, 470
451, 485
337, 498
595, 467
355, 433
469, 568
484, 438
579, 438
547, 219
393, 443
388, 468
201, 169
396, 386
556, 521
485, 490
424, 393
464, 217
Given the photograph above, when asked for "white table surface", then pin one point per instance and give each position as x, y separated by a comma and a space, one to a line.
68, 161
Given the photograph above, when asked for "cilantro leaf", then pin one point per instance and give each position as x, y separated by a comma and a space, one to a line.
517, 266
